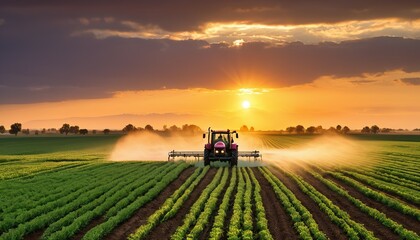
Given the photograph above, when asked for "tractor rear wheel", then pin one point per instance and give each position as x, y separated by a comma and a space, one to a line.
234, 160
206, 157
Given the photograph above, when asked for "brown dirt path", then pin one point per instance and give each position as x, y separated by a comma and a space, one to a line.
379, 230
167, 228
279, 222
325, 224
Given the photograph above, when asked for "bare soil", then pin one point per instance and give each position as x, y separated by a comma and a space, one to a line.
325, 224
167, 228
279, 222
206, 232
410, 223
141, 216
379, 230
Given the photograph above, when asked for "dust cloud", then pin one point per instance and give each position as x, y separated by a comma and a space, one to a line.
324, 151
150, 146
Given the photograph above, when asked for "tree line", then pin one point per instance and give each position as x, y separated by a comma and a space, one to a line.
191, 129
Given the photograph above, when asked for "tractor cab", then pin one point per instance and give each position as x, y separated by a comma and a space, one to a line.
220, 147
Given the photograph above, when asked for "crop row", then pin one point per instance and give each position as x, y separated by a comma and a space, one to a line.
400, 174
24, 216
56, 210
388, 179
261, 220
383, 198
218, 225
74, 221
177, 198
126, 207
28, 209
302, 218
234, 230
338, 216
209, 207
381, 217
197, 207
388, 187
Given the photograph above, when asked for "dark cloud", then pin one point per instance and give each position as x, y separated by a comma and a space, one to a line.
52, 67
191, 14
411, 81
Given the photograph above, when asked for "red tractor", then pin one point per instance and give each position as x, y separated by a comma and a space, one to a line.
221, 147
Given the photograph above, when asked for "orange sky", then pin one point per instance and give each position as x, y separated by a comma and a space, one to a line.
328, 101
101, 64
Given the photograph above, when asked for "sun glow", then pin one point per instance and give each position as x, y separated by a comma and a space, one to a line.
246, 104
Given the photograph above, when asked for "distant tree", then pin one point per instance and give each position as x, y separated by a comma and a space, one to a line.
338, 128
36, 132
174, 128
374, 129
106, 131
300, 129
311, 130
129, 128
74, 129
65, 128
2, 129
165, 128
43, 131
251, 129
291, 129
94, 131
366, 130
319, 129
345, 130
149, 128
15, 128
416, 129
244, 128
332, 130
386, 130
25, 131
83, 131
191, 129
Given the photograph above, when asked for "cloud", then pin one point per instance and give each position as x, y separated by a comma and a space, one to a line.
84, 67
411, 81
189, 15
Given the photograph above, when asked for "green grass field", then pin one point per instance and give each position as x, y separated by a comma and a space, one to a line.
64, 187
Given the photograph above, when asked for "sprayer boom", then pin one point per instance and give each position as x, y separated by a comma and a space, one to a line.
199, 154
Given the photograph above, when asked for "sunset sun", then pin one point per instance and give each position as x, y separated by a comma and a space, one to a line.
246, 104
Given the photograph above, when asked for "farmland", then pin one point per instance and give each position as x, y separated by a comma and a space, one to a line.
64, 188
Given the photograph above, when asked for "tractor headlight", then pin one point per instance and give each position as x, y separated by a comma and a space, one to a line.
217, 151
222, 151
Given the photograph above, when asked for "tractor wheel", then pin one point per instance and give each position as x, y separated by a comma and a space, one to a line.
234, 160
206, 157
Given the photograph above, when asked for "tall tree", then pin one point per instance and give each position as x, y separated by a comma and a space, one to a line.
129, 128
2, 129
345, 130
311, 130
244, 128
374, 129
366, 130
74, 129
338, 128
15, 128
83, 131
149, 128
106, 131
65, 128
300, 129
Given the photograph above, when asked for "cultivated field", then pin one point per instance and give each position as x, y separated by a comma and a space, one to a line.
64, 188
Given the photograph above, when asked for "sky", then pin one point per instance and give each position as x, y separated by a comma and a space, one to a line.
268, 64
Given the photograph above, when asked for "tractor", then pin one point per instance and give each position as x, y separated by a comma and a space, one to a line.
220, 146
